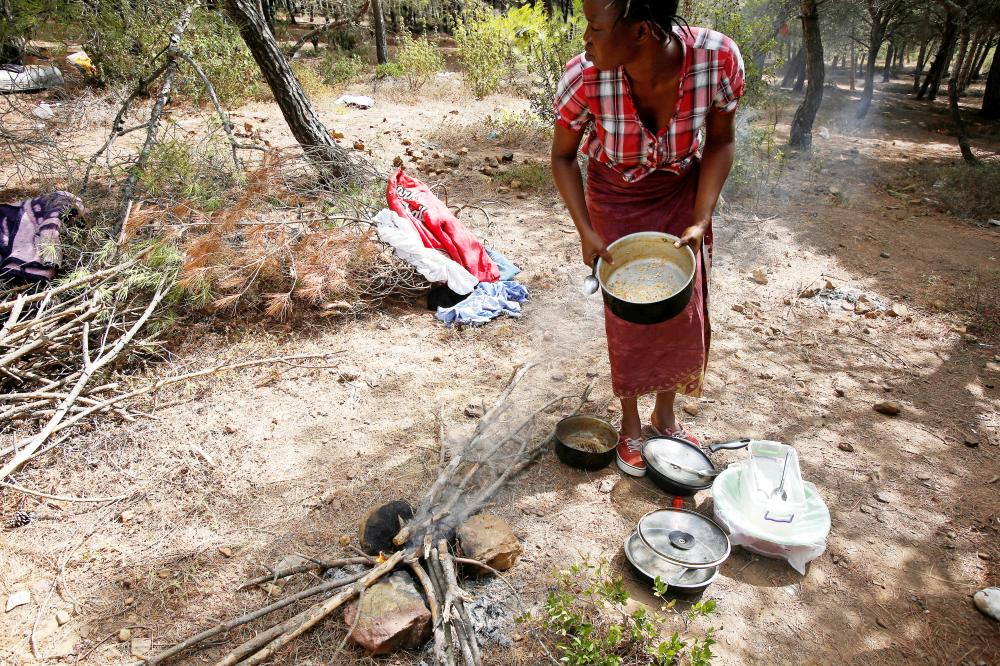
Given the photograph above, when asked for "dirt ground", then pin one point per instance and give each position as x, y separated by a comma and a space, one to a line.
234, 473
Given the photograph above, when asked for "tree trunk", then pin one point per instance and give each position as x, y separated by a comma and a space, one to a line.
965, 75
378, 23
956, 112
978, 67
890, 52
921, 61
991, 98
800, 79
937, 67
854, 61
879, 23
302, 120
802, 123
945, 69
792, 69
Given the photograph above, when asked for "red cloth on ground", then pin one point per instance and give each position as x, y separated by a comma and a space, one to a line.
438, 227
651, 358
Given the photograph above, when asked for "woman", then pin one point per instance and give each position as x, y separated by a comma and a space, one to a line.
657, 105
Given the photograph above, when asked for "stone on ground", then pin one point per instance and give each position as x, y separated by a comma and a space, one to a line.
391, 616
489, 539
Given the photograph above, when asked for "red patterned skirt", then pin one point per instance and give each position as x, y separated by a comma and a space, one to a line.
653, 358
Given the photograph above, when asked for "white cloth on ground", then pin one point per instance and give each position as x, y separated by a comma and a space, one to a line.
436, 266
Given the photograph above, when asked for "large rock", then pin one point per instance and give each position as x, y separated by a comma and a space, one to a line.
490, 540
393, 616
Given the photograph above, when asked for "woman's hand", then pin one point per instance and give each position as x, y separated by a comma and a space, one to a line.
693, 236
593, 246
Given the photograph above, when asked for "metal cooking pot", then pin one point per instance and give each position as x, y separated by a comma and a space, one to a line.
678, 579
682, 548
585, 442
649, 245
681, 468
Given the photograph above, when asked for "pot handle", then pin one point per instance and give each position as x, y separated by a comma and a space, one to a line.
734, 444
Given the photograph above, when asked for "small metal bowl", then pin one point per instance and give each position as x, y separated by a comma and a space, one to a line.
585, 442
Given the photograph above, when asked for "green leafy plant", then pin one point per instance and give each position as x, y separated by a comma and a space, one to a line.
418, 59
337, 70
388, 70
586, 621
312, 82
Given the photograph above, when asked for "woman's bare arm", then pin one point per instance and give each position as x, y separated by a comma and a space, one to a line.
716, 163
569, 182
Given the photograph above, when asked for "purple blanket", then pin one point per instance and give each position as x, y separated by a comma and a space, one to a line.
29, 235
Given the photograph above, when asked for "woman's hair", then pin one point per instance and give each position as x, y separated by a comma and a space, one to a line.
662, 14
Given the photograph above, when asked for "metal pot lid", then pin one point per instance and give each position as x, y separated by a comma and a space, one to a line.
659, 452
684, 537
653, 566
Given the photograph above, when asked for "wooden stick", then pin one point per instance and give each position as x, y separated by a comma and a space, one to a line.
458, 596
428, 587
302, 568
250, 617
265, 644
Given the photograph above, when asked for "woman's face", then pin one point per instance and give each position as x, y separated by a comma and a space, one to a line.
608, 42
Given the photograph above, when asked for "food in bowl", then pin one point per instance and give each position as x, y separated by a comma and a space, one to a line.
586, 441
646, 280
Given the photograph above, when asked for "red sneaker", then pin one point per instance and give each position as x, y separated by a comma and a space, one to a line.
681, 432
630, 456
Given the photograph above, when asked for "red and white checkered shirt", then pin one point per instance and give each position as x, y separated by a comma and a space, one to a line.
712, 78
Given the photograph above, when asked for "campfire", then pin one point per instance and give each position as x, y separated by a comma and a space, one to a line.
506, 441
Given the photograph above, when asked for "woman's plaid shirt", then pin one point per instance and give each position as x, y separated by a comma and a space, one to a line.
712, 79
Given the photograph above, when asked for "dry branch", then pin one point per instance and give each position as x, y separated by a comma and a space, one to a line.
254, 615
265, 644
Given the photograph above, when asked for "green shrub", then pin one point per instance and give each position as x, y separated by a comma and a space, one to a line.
216, 45
419, 60
586, 619
312, 82
337, 70
389, 70
524, 47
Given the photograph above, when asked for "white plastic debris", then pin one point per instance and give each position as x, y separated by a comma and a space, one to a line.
825, 133
43, 111
357, 101
17, 599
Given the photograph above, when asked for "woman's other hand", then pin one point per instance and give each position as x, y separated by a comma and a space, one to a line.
693, 236
593, 246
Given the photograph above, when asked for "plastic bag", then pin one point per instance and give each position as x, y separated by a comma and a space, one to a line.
797, 541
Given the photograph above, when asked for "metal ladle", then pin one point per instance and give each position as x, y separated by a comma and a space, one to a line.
590, 283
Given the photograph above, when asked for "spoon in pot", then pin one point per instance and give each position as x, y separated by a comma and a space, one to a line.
590, 283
